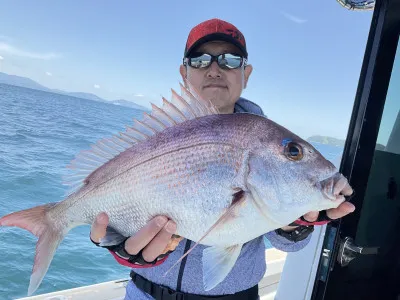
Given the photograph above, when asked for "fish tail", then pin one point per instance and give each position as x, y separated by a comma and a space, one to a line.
36, 221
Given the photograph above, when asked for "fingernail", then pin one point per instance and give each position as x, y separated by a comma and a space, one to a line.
171, 227
161, 221
102, 218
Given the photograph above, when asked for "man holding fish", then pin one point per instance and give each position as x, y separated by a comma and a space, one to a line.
215, 64
198, 184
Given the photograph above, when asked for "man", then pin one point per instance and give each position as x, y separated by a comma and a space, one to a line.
215, 63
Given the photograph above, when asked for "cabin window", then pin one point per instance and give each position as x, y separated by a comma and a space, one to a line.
379, 224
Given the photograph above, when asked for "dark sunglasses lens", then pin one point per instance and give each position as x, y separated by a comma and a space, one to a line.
230, 61
200, 61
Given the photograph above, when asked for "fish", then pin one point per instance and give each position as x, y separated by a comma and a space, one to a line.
225, 179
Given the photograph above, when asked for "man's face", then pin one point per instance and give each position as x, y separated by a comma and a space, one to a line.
222, 87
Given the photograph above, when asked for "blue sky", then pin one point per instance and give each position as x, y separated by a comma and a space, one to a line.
392, 105
306, 56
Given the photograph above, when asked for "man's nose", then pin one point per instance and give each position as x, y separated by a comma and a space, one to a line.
214, 70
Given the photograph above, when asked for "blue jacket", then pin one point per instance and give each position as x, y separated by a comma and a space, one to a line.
247, 272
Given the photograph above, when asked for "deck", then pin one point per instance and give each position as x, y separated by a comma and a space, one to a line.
115, 290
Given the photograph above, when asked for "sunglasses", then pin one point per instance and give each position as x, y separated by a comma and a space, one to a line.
224, 61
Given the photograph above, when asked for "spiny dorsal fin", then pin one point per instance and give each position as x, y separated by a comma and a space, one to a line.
187, 106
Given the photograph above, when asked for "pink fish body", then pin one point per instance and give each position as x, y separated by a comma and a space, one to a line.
225, 179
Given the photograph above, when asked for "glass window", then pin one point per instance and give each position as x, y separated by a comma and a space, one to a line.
379, 224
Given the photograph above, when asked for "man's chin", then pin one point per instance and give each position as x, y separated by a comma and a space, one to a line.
215, 95
222, 106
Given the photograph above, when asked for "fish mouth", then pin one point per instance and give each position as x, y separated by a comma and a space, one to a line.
334, 187
333, 198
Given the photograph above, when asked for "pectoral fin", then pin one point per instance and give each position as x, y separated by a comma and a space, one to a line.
217, 263
238, 200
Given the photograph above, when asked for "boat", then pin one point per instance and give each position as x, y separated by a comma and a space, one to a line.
115, 289
357, 257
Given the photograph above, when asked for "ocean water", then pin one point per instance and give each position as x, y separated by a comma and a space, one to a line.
40, 133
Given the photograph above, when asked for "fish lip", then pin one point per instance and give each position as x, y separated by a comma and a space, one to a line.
322, 189
335, 173
328, 194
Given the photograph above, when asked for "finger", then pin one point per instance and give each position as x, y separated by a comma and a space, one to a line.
99, 227
138, 241
157, 246
311, 216
342, 210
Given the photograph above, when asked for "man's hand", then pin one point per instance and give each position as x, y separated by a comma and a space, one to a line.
334, 213
342, 210
155, 238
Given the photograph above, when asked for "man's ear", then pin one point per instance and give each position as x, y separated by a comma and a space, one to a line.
183, 71
247, 72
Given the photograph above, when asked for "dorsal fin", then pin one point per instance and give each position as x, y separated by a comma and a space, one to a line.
187, 106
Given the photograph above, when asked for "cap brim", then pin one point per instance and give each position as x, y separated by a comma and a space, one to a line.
217, 37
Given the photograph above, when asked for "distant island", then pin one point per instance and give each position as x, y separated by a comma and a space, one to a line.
336, 142
326, 140
31, 84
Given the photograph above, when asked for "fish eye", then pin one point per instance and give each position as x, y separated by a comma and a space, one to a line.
294, 151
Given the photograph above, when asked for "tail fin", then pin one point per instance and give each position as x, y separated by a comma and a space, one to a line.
37, 222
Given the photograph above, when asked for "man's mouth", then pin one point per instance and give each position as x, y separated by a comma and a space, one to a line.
214, 85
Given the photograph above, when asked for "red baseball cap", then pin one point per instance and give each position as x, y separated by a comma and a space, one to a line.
215, 29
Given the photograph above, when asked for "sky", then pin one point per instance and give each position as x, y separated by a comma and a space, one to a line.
391, 111
306, 57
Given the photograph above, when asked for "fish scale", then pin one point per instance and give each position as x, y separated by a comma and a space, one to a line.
178, 178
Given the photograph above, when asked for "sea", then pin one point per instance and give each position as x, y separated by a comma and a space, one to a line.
40, 133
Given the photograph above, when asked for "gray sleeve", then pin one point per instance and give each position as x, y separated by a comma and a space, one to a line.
283, 244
